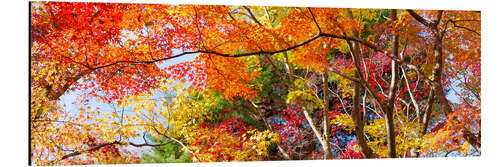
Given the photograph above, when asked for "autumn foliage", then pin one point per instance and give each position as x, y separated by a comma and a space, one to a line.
252, 83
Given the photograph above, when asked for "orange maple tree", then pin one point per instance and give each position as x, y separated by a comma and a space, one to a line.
401, 61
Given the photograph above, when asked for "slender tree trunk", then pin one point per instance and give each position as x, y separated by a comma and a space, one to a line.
359, 123
437, 72
428, 112
391, 136
289, 71
317, 133
326, 123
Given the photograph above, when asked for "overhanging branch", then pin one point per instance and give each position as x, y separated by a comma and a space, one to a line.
263, 52
97, 147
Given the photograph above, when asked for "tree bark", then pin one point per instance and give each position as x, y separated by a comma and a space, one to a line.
317, 133
428, 112
359, 123
355, 113
326, 123
391, 137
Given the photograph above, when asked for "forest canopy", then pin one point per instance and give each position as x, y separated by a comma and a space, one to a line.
206, 83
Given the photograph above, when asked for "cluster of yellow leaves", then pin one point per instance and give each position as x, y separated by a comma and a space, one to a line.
42, 108
54, 131
304, 98
184, 115
303, 95
210, 145
343, 120
153, 113
408, 134
343, 83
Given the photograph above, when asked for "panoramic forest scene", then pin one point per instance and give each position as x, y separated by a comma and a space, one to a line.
123, 83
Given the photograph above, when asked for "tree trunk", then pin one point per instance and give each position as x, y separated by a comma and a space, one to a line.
317, 133
389, 108
326, 123
355, 113
359, 123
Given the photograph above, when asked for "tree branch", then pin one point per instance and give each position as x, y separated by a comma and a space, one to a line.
252, 16
462, 27
419, 18
97, 147
182, 144
314, 19
366, 43
440, 15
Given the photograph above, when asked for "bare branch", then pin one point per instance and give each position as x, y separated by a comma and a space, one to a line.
182, 144
419, 18
252, 16
440, 15
314, 19
262, 52
462, 27
344, 75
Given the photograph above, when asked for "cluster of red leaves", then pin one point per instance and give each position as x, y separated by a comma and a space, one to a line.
331, 116
350, 153
79, 22
291, 126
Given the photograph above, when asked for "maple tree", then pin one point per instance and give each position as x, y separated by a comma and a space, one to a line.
265, 83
